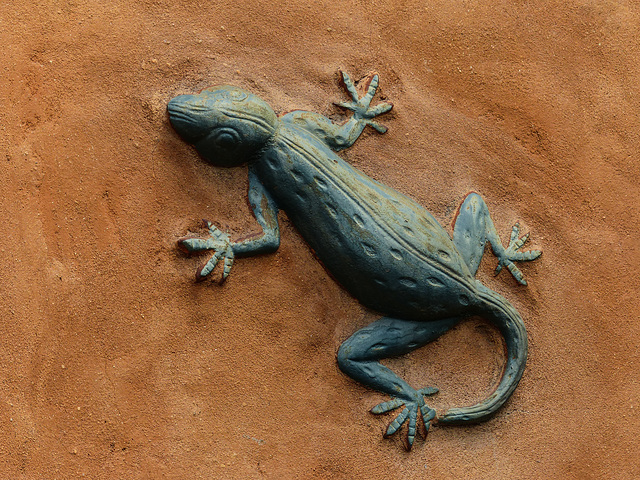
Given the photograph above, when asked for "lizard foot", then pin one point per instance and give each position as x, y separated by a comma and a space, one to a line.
360, 106
512, 254
217, 241
410, 412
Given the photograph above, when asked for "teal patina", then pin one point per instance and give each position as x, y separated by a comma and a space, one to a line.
384, 248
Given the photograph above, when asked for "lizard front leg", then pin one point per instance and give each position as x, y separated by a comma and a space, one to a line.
341, 136
266, 213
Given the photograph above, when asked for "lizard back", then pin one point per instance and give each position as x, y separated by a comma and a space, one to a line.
383, 247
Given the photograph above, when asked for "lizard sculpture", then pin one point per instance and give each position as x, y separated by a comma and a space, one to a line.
385, 249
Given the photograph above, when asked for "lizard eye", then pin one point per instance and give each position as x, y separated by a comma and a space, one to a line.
226, 139
237, 95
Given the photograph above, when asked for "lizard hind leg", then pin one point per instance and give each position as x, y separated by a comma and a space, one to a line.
470, 230
473, 228
359, 356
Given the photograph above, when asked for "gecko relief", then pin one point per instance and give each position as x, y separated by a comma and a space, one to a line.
389, 252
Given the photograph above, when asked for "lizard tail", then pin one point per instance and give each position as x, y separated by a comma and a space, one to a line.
505, 317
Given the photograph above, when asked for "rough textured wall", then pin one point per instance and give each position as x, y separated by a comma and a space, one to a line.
114, 364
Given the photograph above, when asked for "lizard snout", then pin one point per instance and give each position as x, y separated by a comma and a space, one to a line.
187, 117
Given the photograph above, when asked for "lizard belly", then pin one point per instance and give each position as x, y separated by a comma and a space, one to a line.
383, 247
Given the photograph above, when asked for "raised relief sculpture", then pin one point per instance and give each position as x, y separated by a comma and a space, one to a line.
385, 249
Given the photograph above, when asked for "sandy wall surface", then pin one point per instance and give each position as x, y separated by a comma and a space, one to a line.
115, 364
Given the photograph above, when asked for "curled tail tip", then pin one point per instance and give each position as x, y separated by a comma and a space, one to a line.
451, 417
480, 412
502, 314
458, 416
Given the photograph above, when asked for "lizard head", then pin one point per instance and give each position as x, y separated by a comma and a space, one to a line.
227, 125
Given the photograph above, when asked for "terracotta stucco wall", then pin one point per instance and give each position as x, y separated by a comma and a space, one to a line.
115, 364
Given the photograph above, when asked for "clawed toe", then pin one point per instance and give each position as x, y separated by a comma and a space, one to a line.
360, 105
194, 244
409, 413
218, 241
385, 407
511, 254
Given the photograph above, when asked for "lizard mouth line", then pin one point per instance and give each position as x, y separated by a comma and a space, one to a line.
187, 126
182, 117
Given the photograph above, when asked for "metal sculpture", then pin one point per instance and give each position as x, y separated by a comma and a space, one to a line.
389, 252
